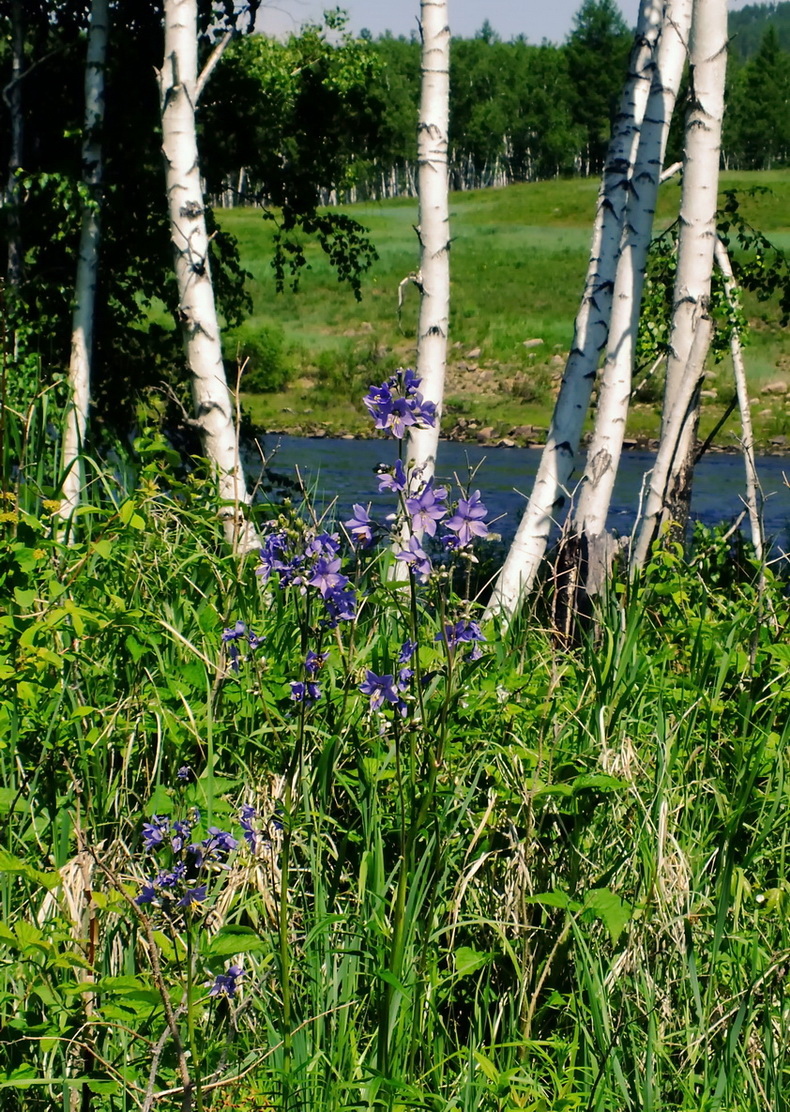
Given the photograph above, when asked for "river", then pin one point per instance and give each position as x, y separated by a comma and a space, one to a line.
346, 470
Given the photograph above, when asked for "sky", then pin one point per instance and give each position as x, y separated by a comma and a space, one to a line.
537, 19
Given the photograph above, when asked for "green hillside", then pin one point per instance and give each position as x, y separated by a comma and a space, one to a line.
518, 260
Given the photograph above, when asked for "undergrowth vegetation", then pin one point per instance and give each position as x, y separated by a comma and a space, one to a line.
299, 833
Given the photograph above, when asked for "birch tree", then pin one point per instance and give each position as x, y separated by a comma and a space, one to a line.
753, 507
669, 493
87, 262
12, 95
558, 461
180, 87
433, 278
606, 444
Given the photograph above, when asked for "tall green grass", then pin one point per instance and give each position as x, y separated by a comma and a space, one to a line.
559, 882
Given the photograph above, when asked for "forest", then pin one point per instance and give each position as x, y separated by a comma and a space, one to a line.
315, 809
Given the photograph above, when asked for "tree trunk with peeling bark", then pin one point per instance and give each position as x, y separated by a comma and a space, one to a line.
551, 487
180, 88
433, 279
669, 498
606, 444
87, 263
12, 95
753, 493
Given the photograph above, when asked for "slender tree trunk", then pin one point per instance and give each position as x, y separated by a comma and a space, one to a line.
434, 227
12, 95
753, 491
88, 261
550, 490
696, 241
180, 88
606, 444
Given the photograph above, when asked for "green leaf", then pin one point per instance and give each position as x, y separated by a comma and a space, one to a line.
235, 939
468, 961
160, 802
554, 899
610, 908
15, 865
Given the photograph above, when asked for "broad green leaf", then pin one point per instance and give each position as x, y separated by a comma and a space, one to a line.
610, 908
234, 939
468, 961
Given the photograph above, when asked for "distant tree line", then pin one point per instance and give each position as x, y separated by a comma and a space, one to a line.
518, 111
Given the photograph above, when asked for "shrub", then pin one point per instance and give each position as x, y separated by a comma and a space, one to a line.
261, 351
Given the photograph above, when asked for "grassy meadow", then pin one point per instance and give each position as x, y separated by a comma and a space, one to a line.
518, 261
280, 834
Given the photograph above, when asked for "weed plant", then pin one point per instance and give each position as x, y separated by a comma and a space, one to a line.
298, 833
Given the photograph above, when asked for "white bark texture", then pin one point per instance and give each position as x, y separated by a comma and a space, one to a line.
434, 227
179, 86
87, 263
606, 444
753, 489
12, 95
696, 242
551, 487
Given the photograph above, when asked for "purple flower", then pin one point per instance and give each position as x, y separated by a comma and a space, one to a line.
467, 521
181, 832
392, 478
326, 575
379, 400
341, 605
193, 897
397, 404
381, 689
186, 775
246, 816
225, 984
400, 417
218, 843
273, 552
232, 636
154, 832
426, 508
462, 632
407, 651
147, 894
313, 662
361, 526
418, 560
171, 879
307, 693
325, 544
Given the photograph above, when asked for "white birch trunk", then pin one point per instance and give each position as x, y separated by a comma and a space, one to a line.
679, 416
87, 263
434, 227
551, 486
753, 490
180, 88
12, 94
606, 444
696, 241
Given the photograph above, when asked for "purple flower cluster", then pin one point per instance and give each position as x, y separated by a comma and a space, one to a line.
397, 404
385, 689
247, 815
307, 691
317, 565
234, 637
183, 885
225, 984
463, 632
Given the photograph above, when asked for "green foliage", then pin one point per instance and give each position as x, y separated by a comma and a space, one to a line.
554, 869
758, 266
260, 354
